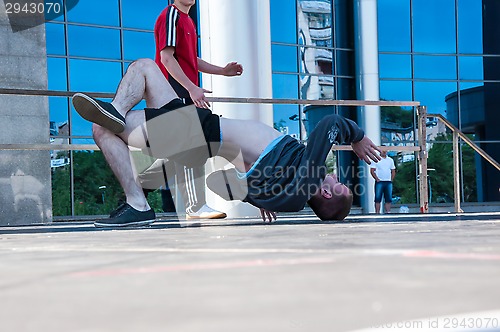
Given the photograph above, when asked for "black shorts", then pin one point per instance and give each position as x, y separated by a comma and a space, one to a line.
185, 134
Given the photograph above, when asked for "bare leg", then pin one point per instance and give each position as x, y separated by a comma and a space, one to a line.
118, 156
377, 208
142, 80
387, 207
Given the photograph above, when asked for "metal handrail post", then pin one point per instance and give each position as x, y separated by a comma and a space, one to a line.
456, 173
467, 140
422, 158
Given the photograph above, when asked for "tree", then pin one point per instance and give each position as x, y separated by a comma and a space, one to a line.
440, 158
61, 198
404, 182
91, 172
397, 115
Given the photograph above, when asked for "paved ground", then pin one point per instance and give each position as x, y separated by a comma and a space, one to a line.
240, 275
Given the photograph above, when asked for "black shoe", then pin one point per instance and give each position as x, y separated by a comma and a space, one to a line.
100, 112
125, 215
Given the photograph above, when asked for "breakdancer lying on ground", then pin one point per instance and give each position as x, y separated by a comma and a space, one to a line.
273, 172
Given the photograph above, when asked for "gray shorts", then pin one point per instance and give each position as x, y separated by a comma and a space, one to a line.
184, 134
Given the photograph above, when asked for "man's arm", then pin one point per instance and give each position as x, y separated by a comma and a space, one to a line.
197, 94
374, 175
362, 146
231, 69
366, 150
393, 174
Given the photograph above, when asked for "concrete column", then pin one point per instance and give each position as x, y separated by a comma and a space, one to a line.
238, 30
25, 183
366, 49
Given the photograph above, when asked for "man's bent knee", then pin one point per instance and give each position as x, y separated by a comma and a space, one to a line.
99, 131
142, 64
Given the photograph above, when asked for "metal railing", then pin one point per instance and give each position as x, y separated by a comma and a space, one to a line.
458, 134
421, 112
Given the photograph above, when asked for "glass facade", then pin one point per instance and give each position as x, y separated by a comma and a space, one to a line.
312, 52
438, 53
312, 44
91, 52
441, 53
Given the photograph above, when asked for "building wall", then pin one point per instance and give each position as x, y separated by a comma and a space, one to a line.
313, 58
431, 51
89, 49
82, 47
427, 50
25, 182
491, 176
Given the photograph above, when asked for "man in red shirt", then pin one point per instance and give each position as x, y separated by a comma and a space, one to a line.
176, 55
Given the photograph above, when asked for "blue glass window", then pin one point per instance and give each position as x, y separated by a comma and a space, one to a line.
125, 66
141, 14
94, 42
284, 58
435, 67
346, 88
138, 45
56, 43
95, 12
434, 95
315, 23
94, 76
395, 66
468, 85
58, 109
491, 67
284, 21
286, 118
472, 106
316, 60
394, 26
433, 26
395, 90
56, 69
345, 63
285, 86
344, 15
470, 26
80, 126
471, 67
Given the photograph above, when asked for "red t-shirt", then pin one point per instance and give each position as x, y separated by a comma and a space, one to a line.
176, 29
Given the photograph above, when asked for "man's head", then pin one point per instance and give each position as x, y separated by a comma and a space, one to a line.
184, 5
333, 200
383, 153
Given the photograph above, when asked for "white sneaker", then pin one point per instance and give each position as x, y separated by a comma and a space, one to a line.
206, 212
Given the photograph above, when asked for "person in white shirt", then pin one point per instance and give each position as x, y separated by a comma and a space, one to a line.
383, 172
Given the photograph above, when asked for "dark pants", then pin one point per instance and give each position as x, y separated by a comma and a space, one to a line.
192, 129
383, 188
190, 182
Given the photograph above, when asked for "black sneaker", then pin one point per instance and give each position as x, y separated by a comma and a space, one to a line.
125, 215
100, 112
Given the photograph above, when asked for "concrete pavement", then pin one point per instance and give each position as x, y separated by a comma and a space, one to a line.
298, 274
